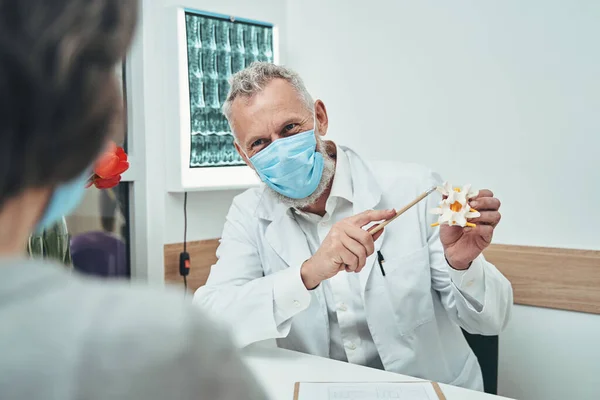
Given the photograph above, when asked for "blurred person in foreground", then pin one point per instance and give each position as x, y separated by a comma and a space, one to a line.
63, 336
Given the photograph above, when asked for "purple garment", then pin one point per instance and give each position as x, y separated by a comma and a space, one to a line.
99, 253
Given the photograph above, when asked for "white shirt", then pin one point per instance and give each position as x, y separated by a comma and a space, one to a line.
350, 338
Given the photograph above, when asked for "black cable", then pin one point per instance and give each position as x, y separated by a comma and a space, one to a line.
184, 285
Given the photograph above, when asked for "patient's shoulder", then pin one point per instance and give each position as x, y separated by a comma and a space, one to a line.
165, 345
105, 339
148, 333
151, 315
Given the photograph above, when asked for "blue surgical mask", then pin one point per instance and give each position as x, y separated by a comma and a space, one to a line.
65, 198
291, 166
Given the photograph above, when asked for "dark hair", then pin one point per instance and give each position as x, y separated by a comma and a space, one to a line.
59, 96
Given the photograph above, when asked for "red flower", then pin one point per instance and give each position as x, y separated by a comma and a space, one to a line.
101, 183
109, 167
112, 163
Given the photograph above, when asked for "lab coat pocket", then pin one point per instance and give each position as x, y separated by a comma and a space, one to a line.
408, 283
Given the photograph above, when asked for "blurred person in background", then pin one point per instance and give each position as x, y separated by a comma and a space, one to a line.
63, 336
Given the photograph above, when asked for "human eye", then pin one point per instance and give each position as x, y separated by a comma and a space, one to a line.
290, 127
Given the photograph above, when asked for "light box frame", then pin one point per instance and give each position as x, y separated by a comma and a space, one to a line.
181, 177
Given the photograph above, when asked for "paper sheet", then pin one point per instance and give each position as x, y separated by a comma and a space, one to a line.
367, 391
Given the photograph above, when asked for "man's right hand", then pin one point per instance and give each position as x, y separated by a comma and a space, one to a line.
346, 247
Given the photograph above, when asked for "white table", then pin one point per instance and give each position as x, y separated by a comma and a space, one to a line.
278, 370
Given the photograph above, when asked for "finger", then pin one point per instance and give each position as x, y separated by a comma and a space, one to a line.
368, 216
377, 235
486, 232
357, 249
484, 193
363, 237
344, 258
349, 259
487, 218
485, 204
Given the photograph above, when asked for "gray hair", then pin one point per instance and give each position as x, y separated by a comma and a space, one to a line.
252, 80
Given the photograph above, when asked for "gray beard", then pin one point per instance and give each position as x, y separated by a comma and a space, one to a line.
326, 178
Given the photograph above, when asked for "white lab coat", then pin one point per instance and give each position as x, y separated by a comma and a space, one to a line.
414, 312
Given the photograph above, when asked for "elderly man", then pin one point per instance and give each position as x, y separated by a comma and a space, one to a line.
296, 265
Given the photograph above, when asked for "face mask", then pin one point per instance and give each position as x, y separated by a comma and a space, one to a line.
291, 166
64, 200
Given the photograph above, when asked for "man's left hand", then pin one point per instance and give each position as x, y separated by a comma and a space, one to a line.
463, 245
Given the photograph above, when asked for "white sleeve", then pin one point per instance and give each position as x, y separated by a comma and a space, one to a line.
471, 283
256, 307
290, 296
479, 299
